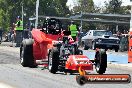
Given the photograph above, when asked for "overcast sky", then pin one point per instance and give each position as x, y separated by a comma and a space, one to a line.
99, 3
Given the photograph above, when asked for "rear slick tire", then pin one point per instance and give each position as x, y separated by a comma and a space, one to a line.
26, 55
101, 61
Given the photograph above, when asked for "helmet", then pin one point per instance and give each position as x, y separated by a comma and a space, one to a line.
18, 17
72, 22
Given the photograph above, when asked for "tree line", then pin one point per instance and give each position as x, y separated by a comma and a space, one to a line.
111, 7
10, 9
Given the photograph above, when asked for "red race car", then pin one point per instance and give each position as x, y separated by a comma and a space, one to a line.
60, 51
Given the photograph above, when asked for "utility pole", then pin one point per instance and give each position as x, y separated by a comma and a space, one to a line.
37, 6
81, 22
82, 3
22, 13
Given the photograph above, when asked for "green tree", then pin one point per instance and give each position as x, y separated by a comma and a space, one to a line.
4, 15
114, 7
53, 7
10, 9
84, 6
97, 9
126, 9
87, 5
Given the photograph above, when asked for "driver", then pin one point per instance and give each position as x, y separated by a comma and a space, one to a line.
53, 26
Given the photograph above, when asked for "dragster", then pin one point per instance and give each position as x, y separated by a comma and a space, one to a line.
54, 45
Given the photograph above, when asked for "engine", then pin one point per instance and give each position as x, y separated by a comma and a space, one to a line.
52, 26
66, 48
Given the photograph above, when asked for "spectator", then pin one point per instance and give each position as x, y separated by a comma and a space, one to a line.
119, 34
19, 31
73, 28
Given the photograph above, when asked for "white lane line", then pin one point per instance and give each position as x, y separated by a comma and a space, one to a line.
2, 85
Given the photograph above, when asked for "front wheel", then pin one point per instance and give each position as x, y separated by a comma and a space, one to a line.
53, 60
101, 61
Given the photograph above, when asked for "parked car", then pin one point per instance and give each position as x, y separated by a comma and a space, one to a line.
100, 39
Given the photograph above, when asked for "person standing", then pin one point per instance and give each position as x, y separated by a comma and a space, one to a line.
74, 30
19, 31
